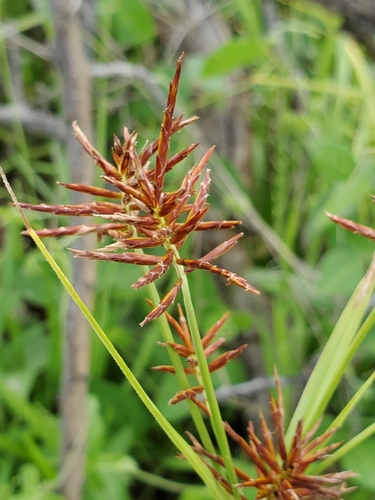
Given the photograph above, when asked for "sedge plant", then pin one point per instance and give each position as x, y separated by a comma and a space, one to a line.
139, 215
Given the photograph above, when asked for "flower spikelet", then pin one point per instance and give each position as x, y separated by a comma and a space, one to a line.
139, 213
354, 227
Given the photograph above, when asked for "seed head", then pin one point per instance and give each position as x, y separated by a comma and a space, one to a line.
282, 472
141, 213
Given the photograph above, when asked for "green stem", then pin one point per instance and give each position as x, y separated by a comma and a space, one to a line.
216, 419
176, 362
182, 378
157, 481
360, 336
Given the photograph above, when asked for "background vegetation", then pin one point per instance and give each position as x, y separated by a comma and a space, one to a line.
289, 99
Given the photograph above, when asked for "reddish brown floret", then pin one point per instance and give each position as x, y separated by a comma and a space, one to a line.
127, 258
354, 227
156, 272
191, 394
95, 191
163, 304
212, 268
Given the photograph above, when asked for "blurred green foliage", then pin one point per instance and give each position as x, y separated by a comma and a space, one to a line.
311, 109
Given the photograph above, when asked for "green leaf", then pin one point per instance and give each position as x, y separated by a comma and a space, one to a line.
42, 423
341, 269
233, 55
31, 487
115, 407
132, 22
114, 474
361, 460
331, 158
96, 425
334, 358
194, 492
341, 197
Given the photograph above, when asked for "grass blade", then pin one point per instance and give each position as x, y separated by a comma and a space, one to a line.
333, 360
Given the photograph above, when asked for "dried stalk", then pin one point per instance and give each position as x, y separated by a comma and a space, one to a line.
75, 76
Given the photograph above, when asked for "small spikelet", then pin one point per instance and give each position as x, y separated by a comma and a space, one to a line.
165, 134
132, 220
95, 191
221, 249
177, 158
224, 358
164, 368
201, 197
218, 460
181, 231
129, 191
177, 125
170, 201
191, 394
159, 270
164, 304
84, 209
218, 251
354, 227
217, 225
186, 394
188, 184
231, 277
214, 329
107, 168
182, 329
124, 258
82, 229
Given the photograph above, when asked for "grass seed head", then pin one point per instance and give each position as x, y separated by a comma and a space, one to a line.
141, 213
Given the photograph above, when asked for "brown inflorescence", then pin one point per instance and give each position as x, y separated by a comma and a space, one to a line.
282, 473
142, 214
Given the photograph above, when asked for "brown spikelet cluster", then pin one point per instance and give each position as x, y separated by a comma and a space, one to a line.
282, 472
187, 351
140, 213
